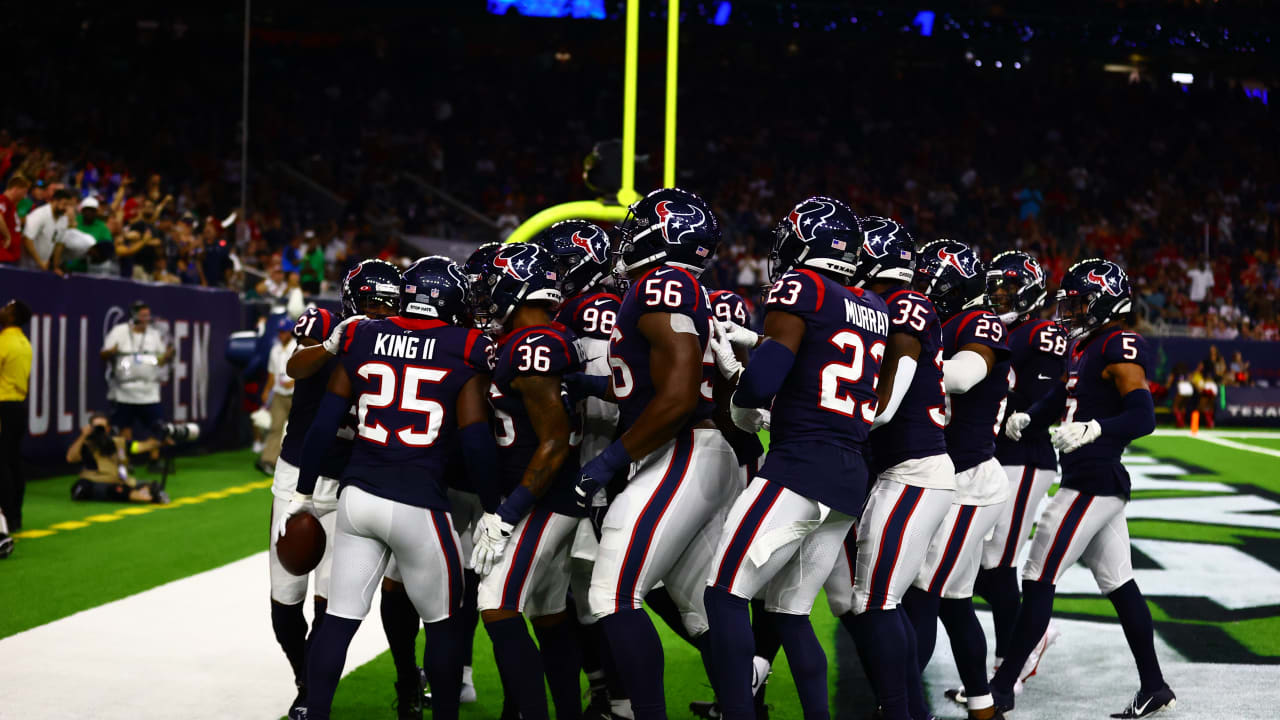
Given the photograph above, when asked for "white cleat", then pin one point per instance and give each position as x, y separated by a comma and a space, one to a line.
1033, 660
468, 694
760, 669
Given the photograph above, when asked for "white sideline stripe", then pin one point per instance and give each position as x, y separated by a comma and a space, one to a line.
1241, 446
1089, 673
200, 647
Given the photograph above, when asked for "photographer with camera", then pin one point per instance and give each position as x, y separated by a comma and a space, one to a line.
105, 474
137, 354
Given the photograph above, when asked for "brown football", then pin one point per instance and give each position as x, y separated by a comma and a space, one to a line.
302, 546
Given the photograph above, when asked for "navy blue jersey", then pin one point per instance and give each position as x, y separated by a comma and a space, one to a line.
976, 415
916, 430
537, 350
590, 315
729, 306
664, 289
1095, 468
823, 411
1038, 357
316, 324
405, 375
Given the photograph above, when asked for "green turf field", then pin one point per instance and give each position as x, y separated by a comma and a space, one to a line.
75, 556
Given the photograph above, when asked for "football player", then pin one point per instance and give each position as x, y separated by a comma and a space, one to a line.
664, 525
371, 289
540, 514
1016, 290
975, 372
419, 381
818, 369
1108, 405
590, 311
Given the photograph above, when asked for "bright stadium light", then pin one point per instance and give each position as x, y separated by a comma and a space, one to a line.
924, 21
722, 13
1182, 78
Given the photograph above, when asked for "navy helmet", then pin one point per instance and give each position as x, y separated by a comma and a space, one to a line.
520, 273
887, 253
668, 226
951, 275
819, 233
475, 268
1015, 286
370, 282
435, 287
1094, 292
582, 254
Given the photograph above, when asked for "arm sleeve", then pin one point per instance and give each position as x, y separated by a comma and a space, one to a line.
1137, 419
319, 437
1046, 411
964, 370
764, 375
480, 455
902, 377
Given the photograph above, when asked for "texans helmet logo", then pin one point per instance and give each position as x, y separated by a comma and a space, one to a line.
675, 224
804, 220
1110, 280
1033, 267
350, 274
516, 261
585, 242
953, 259
879, 235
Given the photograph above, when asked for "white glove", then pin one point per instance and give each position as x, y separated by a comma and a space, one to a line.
728, 364
739, 336
749, 419
1072, 436
300, 502
490, 538
333, 343
1015, 424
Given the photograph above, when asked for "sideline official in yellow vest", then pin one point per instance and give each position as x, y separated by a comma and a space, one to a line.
15, 373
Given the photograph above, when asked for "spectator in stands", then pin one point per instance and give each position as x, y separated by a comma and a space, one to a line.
1200, 279
149, 240
105, 472
11, 238
136, 354
37, 197
277, 393
101, 258
275, 286
312, 273
1239, 369
15, 373
45, 227
217, 265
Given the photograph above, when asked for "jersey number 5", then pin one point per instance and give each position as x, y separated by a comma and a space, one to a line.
829, 395
411, 401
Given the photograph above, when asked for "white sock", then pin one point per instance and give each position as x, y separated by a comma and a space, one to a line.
621, 708
980, 702
466, 675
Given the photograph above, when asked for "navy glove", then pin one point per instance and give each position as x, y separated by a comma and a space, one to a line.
582, 385
597, 473
596, 514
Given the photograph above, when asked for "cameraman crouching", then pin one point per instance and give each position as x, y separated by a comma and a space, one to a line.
105, 466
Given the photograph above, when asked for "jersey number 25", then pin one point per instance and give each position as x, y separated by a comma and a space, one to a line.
411, 401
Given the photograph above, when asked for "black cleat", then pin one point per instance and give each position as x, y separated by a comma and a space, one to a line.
706, 710
6, 545
297, 713
409, 701
956, 695
1003, 701
1146, 704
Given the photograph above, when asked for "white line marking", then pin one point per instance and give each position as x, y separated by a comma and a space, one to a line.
1220, 433
1240, 446
200, 647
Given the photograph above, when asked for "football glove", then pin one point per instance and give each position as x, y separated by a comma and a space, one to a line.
1015, 424
333, 343
749, 419
597, 473
300, 502
490, 539
728, 364
739, 336
1072, 436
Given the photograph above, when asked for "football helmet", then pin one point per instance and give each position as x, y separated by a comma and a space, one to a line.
667, 226
370, 282
887, 253
1015, 285
475, 269
581, 250
1094, 292
951, 275
435, 287
819, 233
520, 273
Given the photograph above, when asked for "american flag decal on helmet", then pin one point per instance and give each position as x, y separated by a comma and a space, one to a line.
435, 292
839, 244
702, 252
411, 289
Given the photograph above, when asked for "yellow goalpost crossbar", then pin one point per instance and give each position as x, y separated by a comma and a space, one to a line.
595, 209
